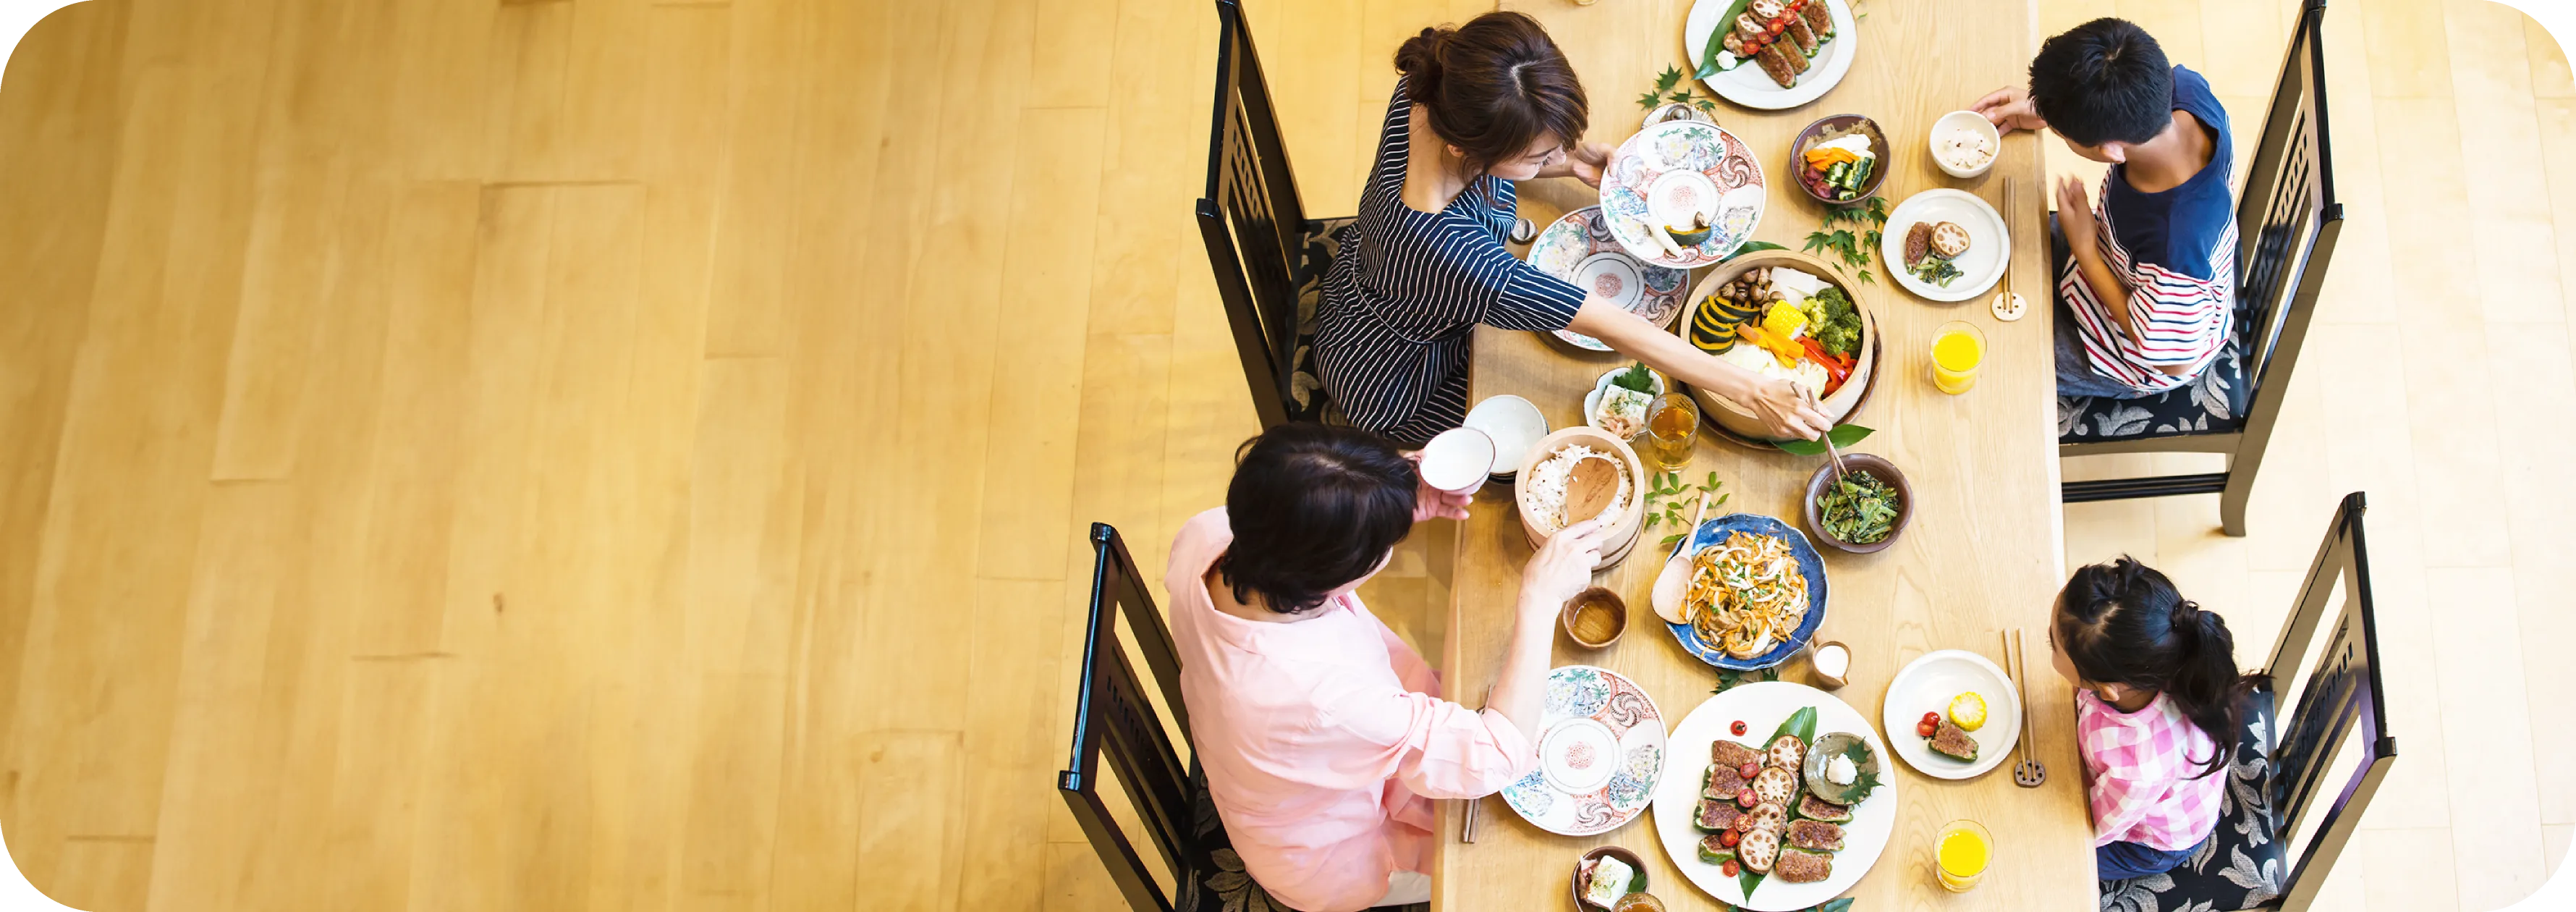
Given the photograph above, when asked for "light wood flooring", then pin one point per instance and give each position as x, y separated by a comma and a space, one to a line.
614, 454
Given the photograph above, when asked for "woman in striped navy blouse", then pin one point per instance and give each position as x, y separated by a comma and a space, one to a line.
1479, 107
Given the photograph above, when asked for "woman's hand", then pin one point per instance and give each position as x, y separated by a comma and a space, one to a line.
1586, 161
1560, 570
1787, 410
1432, 503
2009, 109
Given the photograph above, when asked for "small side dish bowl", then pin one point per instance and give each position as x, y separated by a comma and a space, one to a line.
1876, 467
1830, 129
1604, 600
1601, 388
1584, 864
1969, 126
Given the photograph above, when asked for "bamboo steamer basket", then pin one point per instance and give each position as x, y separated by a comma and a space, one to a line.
1631, 516
1738, 421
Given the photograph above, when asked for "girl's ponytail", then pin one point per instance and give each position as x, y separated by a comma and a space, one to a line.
2205, 684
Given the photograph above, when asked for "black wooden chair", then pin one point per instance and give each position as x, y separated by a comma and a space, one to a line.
1269, 257
2275, 841
2286, 222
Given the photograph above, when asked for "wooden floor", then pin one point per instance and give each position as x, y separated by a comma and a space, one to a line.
610, 454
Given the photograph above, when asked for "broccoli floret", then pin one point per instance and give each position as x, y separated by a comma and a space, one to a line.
1833, 321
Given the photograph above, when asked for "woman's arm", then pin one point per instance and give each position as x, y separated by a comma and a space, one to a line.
1782, 406
1554, 576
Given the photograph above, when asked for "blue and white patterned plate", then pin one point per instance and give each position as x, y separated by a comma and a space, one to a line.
1581, 237
1716, 530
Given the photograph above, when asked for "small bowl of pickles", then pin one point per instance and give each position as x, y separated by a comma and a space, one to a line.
1861, 507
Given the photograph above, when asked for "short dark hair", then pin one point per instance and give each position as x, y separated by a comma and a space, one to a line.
2124, 623
2103, 81
1313, 507
1493, 87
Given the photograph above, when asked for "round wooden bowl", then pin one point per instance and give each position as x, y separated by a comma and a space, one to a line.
1738, 421
1881, 469
1839, 125
1626, 857
1609, 601
1631, 518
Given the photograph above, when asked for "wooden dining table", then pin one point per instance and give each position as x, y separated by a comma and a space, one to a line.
1982, 553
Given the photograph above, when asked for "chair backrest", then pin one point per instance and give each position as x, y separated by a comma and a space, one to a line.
2286, 220
2341, 712
1252, 219
1112, 710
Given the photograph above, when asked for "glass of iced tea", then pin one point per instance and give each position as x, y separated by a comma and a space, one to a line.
1960, 854
1672, 425
1957, 349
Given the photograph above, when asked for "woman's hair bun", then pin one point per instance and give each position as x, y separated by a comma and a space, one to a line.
1419, 60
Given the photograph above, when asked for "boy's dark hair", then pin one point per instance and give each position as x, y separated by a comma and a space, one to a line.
1313, 507
2103, 81
1493, 86
2124, 623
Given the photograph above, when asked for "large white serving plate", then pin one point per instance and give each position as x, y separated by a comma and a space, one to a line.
1763, 706
1747, 85
1926, 685
1989, 242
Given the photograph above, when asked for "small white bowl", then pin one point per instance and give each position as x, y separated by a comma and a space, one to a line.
1514, 423
1592, 400
1973, 122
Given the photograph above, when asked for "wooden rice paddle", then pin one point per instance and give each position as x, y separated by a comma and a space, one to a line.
1589, 489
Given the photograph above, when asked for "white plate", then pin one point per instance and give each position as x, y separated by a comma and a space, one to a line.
1676, 169
1578, 248
1989, 243
1601, 751
1763, 706
1926, 685
1747, 85
1514, 423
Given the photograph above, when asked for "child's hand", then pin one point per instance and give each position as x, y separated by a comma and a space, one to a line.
2074, 213
2009, 109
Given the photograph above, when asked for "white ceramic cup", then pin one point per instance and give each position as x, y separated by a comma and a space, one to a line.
1972, 122
1458, 461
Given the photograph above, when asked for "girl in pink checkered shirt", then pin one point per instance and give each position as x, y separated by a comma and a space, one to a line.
2157, 703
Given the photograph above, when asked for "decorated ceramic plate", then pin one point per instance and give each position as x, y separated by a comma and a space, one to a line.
1980, 266
1714, 531
1747, 85
1600, 753
1762, 707
1578, 248
1674, 174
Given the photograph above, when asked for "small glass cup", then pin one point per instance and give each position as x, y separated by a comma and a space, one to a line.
1958, 349
1961, 854
1672, 426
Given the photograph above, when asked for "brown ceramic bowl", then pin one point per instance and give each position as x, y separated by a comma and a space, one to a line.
1626, 857
1828, 130
1884, 471
1605, 598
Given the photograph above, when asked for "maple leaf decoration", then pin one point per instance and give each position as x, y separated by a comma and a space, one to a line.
1858, 754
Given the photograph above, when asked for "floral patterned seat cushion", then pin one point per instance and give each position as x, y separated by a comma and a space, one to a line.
1224, 886
1306, 400
2213, 403
2241, 866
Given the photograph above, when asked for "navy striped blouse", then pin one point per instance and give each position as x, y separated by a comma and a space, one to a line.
1402, 300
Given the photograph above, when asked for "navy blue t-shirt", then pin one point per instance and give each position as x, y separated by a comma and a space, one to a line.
2179, 229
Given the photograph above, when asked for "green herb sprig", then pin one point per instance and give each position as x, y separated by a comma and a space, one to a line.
1727, 677
1669, 488
1851, 245
1670, 90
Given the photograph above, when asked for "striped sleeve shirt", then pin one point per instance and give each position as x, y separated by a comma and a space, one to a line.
2142, 774
1402, 300
2174, 253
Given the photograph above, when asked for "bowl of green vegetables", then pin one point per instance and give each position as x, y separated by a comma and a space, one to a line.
1861, 507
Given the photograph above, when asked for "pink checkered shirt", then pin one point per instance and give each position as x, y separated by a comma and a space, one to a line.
2139, 770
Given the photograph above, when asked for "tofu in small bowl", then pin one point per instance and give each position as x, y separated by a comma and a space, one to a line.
1617, 405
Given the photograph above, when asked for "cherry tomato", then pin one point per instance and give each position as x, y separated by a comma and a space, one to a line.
1737, 728
1749, 770
1729, 838
1730, 868
1744, 798
1933, 717
1925, 729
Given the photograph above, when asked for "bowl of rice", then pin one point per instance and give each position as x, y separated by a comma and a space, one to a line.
1539, 489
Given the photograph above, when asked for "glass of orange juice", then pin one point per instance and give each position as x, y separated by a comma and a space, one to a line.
1960, 854
1957, 349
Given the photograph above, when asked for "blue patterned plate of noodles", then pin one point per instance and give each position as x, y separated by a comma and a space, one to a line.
1761, 621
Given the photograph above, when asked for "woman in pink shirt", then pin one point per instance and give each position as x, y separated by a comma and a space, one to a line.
2157, 703
1323, 735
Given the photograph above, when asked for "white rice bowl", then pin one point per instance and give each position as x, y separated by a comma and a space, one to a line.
1545, 488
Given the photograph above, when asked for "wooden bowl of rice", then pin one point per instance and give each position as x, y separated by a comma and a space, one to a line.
1540, 497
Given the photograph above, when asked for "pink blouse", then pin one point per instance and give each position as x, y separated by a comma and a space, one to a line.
2142, 773
1324, 738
